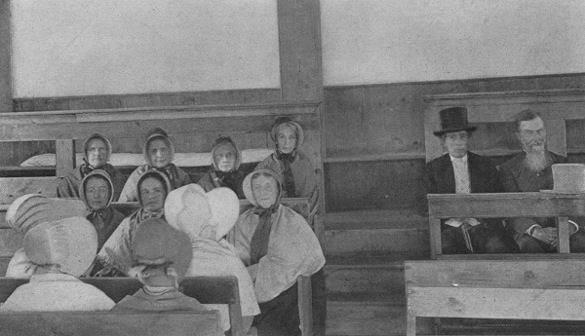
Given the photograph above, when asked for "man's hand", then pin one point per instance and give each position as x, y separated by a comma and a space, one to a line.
546, 235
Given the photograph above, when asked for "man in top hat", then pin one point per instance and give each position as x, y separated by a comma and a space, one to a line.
530, 171
461, 171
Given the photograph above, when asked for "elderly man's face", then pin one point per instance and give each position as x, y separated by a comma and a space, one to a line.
265, 189
456, 143
532, 135
97, 153
159, 153
97, 193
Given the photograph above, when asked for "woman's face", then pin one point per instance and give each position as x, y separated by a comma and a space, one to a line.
224, 156
265, 190
152, 194
159, 153
286, 139
97, 153
97, 193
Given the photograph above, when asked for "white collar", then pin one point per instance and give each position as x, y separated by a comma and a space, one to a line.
461, 159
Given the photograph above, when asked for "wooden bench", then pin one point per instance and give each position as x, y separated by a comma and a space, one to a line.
204, 323
509, 205
496, 289
492, 110
207, 290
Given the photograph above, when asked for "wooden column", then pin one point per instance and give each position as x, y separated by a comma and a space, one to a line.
5, 51
301, 65
65, 156
299, 26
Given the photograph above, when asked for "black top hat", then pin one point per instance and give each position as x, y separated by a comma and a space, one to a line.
454, 119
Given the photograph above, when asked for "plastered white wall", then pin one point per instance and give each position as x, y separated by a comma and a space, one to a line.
388, 41
96, 47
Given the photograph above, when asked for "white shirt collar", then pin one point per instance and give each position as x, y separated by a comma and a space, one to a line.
461, 159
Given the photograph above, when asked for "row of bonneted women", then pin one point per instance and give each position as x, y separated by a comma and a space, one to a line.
267, 247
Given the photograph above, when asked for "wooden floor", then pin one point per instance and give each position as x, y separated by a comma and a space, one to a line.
365, 251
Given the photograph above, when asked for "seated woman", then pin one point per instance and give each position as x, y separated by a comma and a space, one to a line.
206, 218
225, 167
161, 256
62, 251
115, 257
28, 211
277, 246
96, 192
97, 150
299, 177
159, 153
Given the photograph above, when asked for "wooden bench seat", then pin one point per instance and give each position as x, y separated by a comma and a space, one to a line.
495, 289
204, 323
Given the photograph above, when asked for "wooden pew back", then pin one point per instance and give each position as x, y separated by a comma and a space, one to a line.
207, 290
502, 289
110, 324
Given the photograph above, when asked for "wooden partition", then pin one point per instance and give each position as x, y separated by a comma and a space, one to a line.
502, 289
555, 106
509, 205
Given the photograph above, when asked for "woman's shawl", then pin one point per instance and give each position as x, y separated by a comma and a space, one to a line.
293, 250
177, 177
219, 258
302, 169
117, 251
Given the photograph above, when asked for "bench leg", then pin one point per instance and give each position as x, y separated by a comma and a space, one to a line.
410, 323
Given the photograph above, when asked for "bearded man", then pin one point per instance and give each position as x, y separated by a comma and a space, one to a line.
530, 171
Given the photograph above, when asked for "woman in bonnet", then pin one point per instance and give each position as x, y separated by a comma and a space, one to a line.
206, 218
296, 168
115, 257
159, 153
277, 246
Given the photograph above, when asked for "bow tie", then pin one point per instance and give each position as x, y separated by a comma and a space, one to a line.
98, 214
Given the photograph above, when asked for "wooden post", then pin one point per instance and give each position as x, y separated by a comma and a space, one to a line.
64, 156
563, 235
435, 236
5, 52
301, 65
305, 295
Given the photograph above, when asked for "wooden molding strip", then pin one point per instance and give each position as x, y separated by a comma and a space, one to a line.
161, 113
531, 95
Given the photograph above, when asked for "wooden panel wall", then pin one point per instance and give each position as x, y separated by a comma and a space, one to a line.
381, 126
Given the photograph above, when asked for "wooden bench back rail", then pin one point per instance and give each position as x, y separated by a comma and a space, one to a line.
503, 205
526, 289
110, 324
207, 290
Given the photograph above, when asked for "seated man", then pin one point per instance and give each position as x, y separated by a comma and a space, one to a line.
530, 171
159, 152
461, 171
161, 256
97, 150
96, 191
62, 250
277, 246
225, 167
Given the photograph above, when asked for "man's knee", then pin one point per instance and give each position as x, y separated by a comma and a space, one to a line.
577, 242
527, 244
